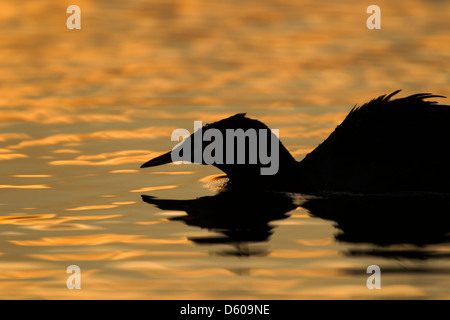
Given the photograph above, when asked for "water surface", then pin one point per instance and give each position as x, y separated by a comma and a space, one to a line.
80, 110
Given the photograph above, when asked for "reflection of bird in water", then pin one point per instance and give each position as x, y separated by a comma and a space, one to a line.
380, 222
393, 152
384, 146
386, 220
239, 218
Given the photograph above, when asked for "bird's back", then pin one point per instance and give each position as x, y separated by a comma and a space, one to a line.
384, 146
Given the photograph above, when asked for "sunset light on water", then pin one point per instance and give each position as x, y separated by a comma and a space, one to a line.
81, 110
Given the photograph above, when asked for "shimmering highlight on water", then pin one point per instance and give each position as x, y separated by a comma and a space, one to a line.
80, 110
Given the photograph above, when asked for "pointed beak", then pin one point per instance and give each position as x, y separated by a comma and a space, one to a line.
162, 159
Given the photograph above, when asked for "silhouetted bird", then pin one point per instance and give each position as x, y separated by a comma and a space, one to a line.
384, 221
236, 218
242, 219
384, 146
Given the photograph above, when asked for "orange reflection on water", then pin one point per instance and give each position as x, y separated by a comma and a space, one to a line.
299, 133
173, 172
121, 203
12, 156
300, 151
97, 239
124, 171
147, 189
13, 136
109, 158
66, 151
396, 291
106, 94
148, 223
93, 207
93, 217
29, 186
114, 255
27, 274
332, 119
101, 206
294, 254
23, 219
143, 133
54, 116
31, 175
316, 242
52, 221
297, 272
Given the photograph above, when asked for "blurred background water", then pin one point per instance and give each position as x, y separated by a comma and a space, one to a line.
80, 110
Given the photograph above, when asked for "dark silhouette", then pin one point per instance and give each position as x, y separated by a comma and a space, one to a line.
236, 218
384, 146
239, 218
384, 221
382, 176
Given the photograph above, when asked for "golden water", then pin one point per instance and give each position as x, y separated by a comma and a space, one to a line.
80, 110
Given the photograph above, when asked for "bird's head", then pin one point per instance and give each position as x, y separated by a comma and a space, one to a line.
243, 148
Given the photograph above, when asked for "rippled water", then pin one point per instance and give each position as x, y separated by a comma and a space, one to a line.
80, 110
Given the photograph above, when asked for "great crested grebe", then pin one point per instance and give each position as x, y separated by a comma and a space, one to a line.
382, 147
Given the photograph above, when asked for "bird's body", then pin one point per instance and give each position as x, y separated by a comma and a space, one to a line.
384, 146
